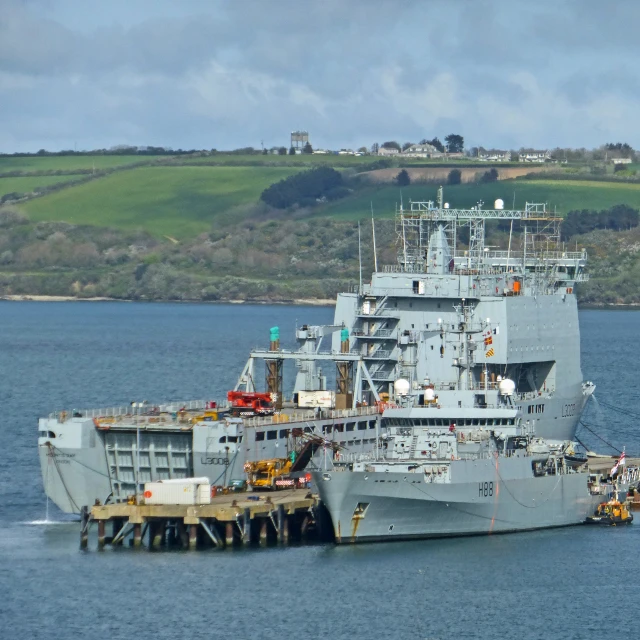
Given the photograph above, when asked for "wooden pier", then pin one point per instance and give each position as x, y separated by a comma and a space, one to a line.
232, 520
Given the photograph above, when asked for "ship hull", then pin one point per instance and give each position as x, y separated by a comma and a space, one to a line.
399, 509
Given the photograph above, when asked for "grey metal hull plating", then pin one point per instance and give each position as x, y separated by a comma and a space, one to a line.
399, 508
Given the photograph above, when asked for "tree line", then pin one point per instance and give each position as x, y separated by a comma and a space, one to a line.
306, 189
618, 218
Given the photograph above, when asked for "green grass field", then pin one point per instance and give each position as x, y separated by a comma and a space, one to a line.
69, 163
174, 201
270, 160
28, 184
562, 196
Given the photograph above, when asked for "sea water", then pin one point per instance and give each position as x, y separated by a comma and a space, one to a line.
578, 582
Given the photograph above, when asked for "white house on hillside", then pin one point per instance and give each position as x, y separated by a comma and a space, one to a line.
421, 151
383, 151
531, 155
493, 155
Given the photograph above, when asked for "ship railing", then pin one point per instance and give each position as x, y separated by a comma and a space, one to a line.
134, 410
357, 456
306, 416
380, 333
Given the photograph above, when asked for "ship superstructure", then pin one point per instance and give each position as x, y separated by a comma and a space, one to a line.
476, 350
453, 322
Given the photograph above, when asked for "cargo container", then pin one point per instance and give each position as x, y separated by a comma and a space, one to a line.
186, 492
312, 399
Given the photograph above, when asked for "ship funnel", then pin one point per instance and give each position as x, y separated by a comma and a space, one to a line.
439, 252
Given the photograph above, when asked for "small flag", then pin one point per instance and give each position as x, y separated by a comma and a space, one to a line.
488, 340
490, 353
621, 462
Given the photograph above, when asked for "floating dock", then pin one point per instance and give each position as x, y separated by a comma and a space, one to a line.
231, 520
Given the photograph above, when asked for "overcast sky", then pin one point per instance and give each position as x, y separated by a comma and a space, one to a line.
233, 73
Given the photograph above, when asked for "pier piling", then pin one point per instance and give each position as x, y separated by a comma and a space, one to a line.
84, 527
229, 520
246, 527
137, 534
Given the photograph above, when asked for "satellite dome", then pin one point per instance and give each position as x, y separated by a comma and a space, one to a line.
401, 386
499, 204
429, 395
506, 387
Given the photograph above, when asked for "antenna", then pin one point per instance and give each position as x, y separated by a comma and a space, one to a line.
509, 249
401, 205
360, 256
373, 229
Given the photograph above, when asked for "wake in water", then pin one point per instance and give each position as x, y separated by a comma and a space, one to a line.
37, 523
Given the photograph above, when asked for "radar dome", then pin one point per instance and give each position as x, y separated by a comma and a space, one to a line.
401, 386
506, 387
429, 395
499, 204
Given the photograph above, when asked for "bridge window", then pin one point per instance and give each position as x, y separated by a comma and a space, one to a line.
223, 439
272, 435
338, 427
351, 426
284, 433
259, 436
372, 424
362, 426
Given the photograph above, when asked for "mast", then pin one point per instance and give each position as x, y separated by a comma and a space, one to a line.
373, 228
360, 255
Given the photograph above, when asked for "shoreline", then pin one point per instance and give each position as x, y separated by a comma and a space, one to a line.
309, 302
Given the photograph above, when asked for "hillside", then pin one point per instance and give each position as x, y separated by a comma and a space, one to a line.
193, 228
180, 201
561, 196
183, 196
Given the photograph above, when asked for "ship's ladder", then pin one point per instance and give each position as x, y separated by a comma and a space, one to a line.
414, 444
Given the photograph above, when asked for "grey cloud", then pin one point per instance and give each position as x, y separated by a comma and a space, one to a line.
231, 73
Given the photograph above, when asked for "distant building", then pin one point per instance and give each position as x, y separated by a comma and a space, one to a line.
421, 151
383, 151
531, 155
299, 139
621, 160
493, 155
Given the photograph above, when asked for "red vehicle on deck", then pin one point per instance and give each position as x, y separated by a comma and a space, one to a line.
246, 403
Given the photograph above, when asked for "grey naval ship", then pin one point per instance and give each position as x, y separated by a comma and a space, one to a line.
89, 455
475, 354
